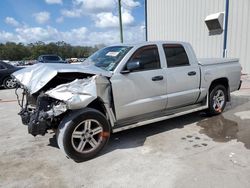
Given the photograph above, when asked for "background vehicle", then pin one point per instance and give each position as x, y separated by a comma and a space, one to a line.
6, 70
122, 87
49, 58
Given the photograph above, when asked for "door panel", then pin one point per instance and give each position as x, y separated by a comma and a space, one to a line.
3, 71
182, 88
136, 93
183, 77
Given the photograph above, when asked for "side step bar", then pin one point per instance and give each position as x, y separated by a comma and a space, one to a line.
118, 129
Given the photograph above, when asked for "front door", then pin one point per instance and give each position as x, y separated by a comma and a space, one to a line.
143, 90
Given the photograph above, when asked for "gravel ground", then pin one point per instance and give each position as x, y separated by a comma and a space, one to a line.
188, 151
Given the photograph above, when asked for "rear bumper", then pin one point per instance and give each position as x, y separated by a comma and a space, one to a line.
240, 85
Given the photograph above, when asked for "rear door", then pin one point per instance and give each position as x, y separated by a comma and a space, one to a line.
143, 90
3, 71
183, 76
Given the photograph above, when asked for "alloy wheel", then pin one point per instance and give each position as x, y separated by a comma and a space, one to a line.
10, 83
86, 137
218, 100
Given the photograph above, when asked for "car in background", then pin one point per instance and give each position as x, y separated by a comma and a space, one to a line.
6, 70
49, 58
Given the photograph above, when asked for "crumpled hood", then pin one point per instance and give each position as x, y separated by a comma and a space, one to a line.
37, 76
80, 92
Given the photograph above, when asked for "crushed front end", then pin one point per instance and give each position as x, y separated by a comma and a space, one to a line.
39, 112
47, 92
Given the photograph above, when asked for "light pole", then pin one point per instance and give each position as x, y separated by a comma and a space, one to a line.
120, 20
225, 30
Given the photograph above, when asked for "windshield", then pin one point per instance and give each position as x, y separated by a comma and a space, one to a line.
108, 58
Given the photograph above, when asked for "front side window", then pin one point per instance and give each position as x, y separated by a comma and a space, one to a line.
148, 58
176, 55
108, 58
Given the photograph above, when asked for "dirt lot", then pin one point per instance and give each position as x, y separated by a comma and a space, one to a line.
188, 151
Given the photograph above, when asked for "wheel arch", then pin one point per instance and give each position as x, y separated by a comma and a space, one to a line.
98, 104
221, 81
7, 76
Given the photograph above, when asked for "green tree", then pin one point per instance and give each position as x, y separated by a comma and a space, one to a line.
14, 52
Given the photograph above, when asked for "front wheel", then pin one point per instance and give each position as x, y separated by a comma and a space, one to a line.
9, 83
217, 100
84, 134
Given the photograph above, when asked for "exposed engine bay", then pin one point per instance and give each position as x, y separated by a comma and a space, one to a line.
39, 113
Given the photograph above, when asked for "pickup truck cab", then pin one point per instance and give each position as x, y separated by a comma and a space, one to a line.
121, 87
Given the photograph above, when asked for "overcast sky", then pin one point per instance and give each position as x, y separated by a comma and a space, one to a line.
78, 22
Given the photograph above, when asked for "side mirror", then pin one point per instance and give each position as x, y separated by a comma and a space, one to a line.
131, 66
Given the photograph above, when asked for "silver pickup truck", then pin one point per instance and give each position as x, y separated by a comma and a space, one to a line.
121, 87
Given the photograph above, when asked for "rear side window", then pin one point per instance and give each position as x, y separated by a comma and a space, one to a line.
148, 57
176, 55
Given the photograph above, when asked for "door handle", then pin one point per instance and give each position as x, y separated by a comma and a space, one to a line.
157, 78
192, 73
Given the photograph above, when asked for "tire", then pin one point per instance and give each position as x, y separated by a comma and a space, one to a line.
217, 100
82, 134
9, 83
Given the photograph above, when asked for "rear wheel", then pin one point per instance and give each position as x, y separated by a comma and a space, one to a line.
84, 135
9, 83
217, 100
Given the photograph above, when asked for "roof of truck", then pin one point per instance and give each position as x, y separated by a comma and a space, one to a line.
150, 42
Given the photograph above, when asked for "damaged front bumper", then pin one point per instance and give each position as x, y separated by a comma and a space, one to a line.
42, 115
46, 110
